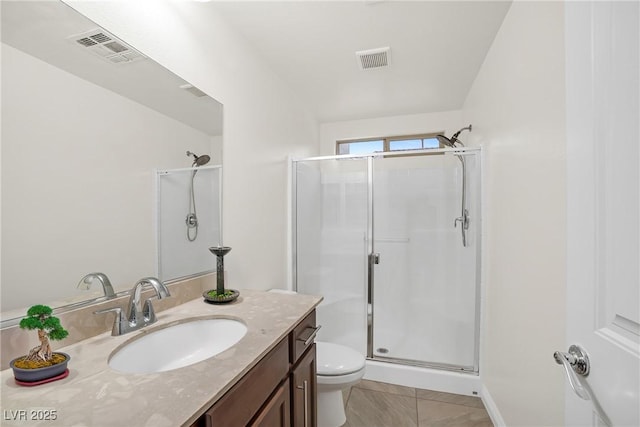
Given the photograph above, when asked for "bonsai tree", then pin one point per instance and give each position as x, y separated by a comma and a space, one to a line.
49, 328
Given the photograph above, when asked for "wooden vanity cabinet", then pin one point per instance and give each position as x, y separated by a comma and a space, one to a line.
304, 391
280, 391
277, 411
303, 373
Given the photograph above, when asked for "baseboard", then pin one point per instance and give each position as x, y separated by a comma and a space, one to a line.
492, 408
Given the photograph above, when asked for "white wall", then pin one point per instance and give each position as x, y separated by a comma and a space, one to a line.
77, 177
263, 121
330, 132
517, 108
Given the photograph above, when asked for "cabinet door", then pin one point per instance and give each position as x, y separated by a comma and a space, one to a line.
303, 412
276, 411
241, 404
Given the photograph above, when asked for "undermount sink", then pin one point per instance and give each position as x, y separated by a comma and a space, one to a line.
177, 346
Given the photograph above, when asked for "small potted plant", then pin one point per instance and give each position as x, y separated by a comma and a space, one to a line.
41, 364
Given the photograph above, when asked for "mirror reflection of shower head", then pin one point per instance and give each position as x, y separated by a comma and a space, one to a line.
199, 160
451, 142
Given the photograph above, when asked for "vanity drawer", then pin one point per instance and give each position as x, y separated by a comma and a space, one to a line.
240, 404
303, 336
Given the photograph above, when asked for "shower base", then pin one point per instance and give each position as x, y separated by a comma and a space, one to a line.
468, 384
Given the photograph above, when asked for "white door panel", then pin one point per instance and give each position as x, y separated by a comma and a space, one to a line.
603, 249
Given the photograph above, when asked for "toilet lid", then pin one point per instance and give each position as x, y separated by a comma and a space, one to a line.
335, 359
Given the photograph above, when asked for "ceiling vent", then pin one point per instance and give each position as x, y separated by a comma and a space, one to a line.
374, 58
108, 47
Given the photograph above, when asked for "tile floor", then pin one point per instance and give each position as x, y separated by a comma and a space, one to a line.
376, 404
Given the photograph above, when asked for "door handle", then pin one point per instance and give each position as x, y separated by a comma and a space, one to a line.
575, 362
375, 258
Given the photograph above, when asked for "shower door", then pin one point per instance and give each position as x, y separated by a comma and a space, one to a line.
379, 237
424, 289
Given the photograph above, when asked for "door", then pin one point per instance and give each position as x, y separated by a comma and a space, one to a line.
424, 273
603, 191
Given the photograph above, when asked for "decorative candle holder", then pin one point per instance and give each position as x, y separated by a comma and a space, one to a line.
220, 294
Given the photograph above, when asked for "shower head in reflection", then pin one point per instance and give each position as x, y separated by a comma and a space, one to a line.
199, 160
451, 142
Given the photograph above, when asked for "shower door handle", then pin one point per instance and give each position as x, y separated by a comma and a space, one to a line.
375, 258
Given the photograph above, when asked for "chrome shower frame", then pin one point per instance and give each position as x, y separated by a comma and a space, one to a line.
459, 152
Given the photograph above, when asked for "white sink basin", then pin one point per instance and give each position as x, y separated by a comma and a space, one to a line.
177, 346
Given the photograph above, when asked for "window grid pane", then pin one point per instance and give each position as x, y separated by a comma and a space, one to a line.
388, 144
405, 144
361, 147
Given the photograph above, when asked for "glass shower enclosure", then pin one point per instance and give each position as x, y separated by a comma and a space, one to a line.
381, 238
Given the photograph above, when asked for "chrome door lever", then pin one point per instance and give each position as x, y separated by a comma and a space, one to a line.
576, 361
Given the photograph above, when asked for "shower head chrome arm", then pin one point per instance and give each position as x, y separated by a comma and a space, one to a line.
454, 138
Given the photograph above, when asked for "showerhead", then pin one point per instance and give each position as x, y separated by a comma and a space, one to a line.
443, 140
451, 142
199, 160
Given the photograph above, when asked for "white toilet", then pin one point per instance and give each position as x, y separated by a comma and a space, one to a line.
338, 367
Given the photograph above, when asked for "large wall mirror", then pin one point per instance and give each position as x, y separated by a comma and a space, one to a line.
87, 121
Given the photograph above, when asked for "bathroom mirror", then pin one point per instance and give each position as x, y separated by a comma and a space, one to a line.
86, 122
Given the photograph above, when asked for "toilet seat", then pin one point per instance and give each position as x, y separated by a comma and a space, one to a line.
337, 360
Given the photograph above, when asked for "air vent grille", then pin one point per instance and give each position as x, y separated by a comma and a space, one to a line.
101, 38
86, 42
374, 58
106, 46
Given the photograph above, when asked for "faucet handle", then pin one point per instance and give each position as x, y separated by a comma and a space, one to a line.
117, 310
118, 321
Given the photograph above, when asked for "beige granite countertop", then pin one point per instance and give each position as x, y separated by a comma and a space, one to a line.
95, 395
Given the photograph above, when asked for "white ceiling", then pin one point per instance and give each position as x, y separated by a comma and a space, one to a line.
437, 48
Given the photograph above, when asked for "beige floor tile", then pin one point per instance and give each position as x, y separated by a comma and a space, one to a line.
440, 414
387, 388
458, 399
368, 408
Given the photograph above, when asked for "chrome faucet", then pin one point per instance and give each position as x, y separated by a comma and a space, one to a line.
138, 315
86, 281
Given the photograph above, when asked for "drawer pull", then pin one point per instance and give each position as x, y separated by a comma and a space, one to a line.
311, 336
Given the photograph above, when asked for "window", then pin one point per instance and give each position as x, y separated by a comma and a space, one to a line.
393, 143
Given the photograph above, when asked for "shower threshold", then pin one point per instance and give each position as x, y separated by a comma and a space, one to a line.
422, 364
